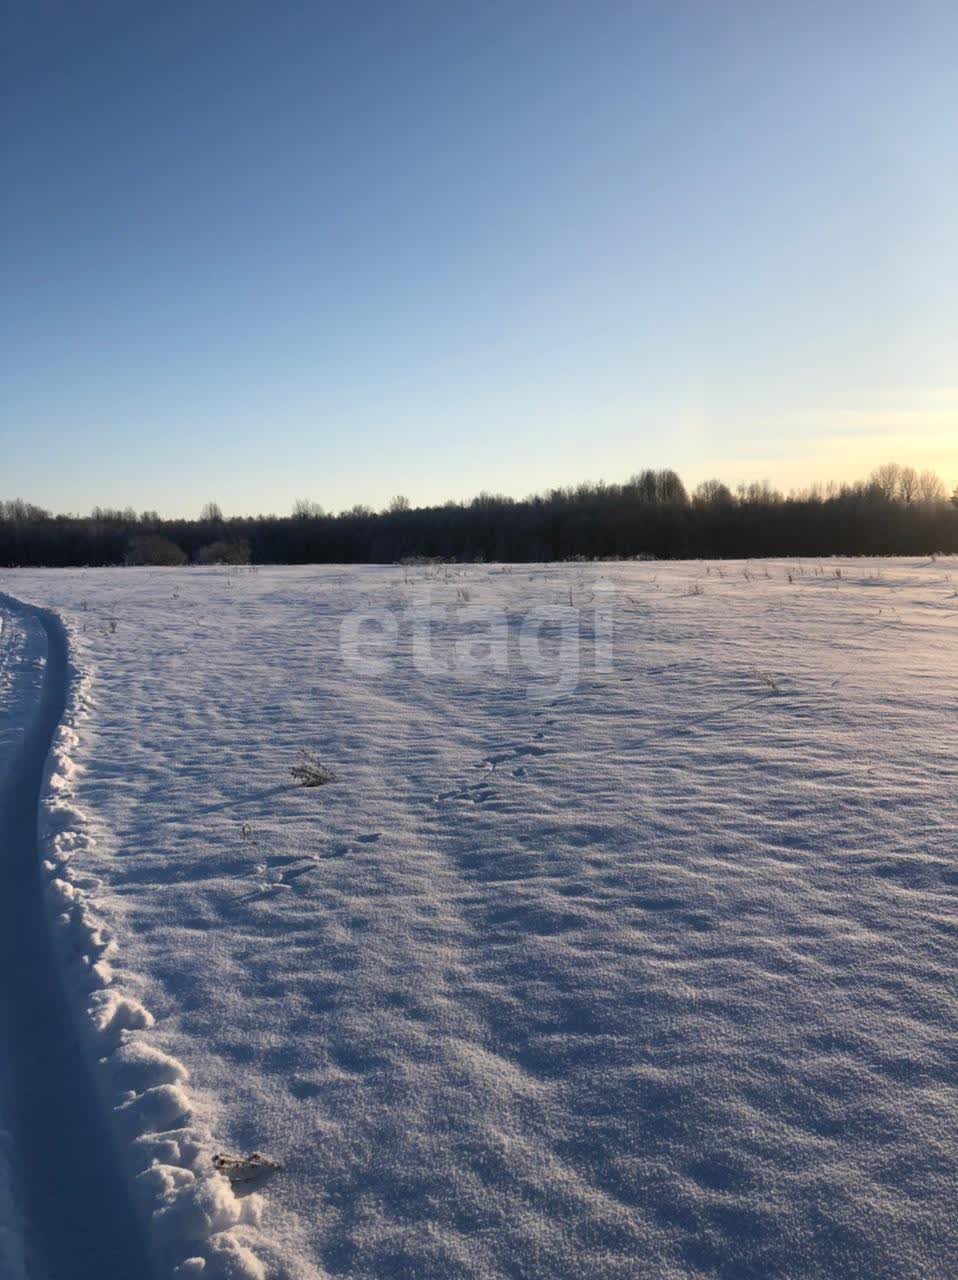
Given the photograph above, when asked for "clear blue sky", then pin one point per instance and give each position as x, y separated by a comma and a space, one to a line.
255, 251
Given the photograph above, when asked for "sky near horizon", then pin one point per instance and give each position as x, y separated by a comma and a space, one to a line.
259, 251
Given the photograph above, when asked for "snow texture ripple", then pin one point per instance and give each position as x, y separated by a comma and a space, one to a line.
648, 974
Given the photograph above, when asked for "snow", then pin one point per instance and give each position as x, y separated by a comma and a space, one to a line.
18, 685
13, 1264
72, 1211
588, 962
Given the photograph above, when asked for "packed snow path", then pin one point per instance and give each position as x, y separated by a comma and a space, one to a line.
67, 1180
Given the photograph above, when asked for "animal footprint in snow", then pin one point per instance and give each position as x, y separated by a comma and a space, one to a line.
245, 1168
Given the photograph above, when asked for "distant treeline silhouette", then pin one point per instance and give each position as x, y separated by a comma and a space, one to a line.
896, 512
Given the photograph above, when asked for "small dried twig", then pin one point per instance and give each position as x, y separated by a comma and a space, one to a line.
310, 771
245, 1168
767, 679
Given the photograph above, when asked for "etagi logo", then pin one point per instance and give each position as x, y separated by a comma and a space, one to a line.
547, 646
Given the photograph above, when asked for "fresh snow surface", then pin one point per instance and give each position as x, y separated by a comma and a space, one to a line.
586, 964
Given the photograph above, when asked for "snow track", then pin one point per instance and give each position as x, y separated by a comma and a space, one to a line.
71, 1191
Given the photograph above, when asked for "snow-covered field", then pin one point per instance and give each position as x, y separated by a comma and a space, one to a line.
624, 943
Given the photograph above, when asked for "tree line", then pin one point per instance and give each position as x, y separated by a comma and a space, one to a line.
897, 511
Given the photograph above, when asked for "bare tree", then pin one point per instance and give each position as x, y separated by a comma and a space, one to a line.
759, 494
887, 480
669, 488
306, 509
908, 484
713, 493
931, 487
